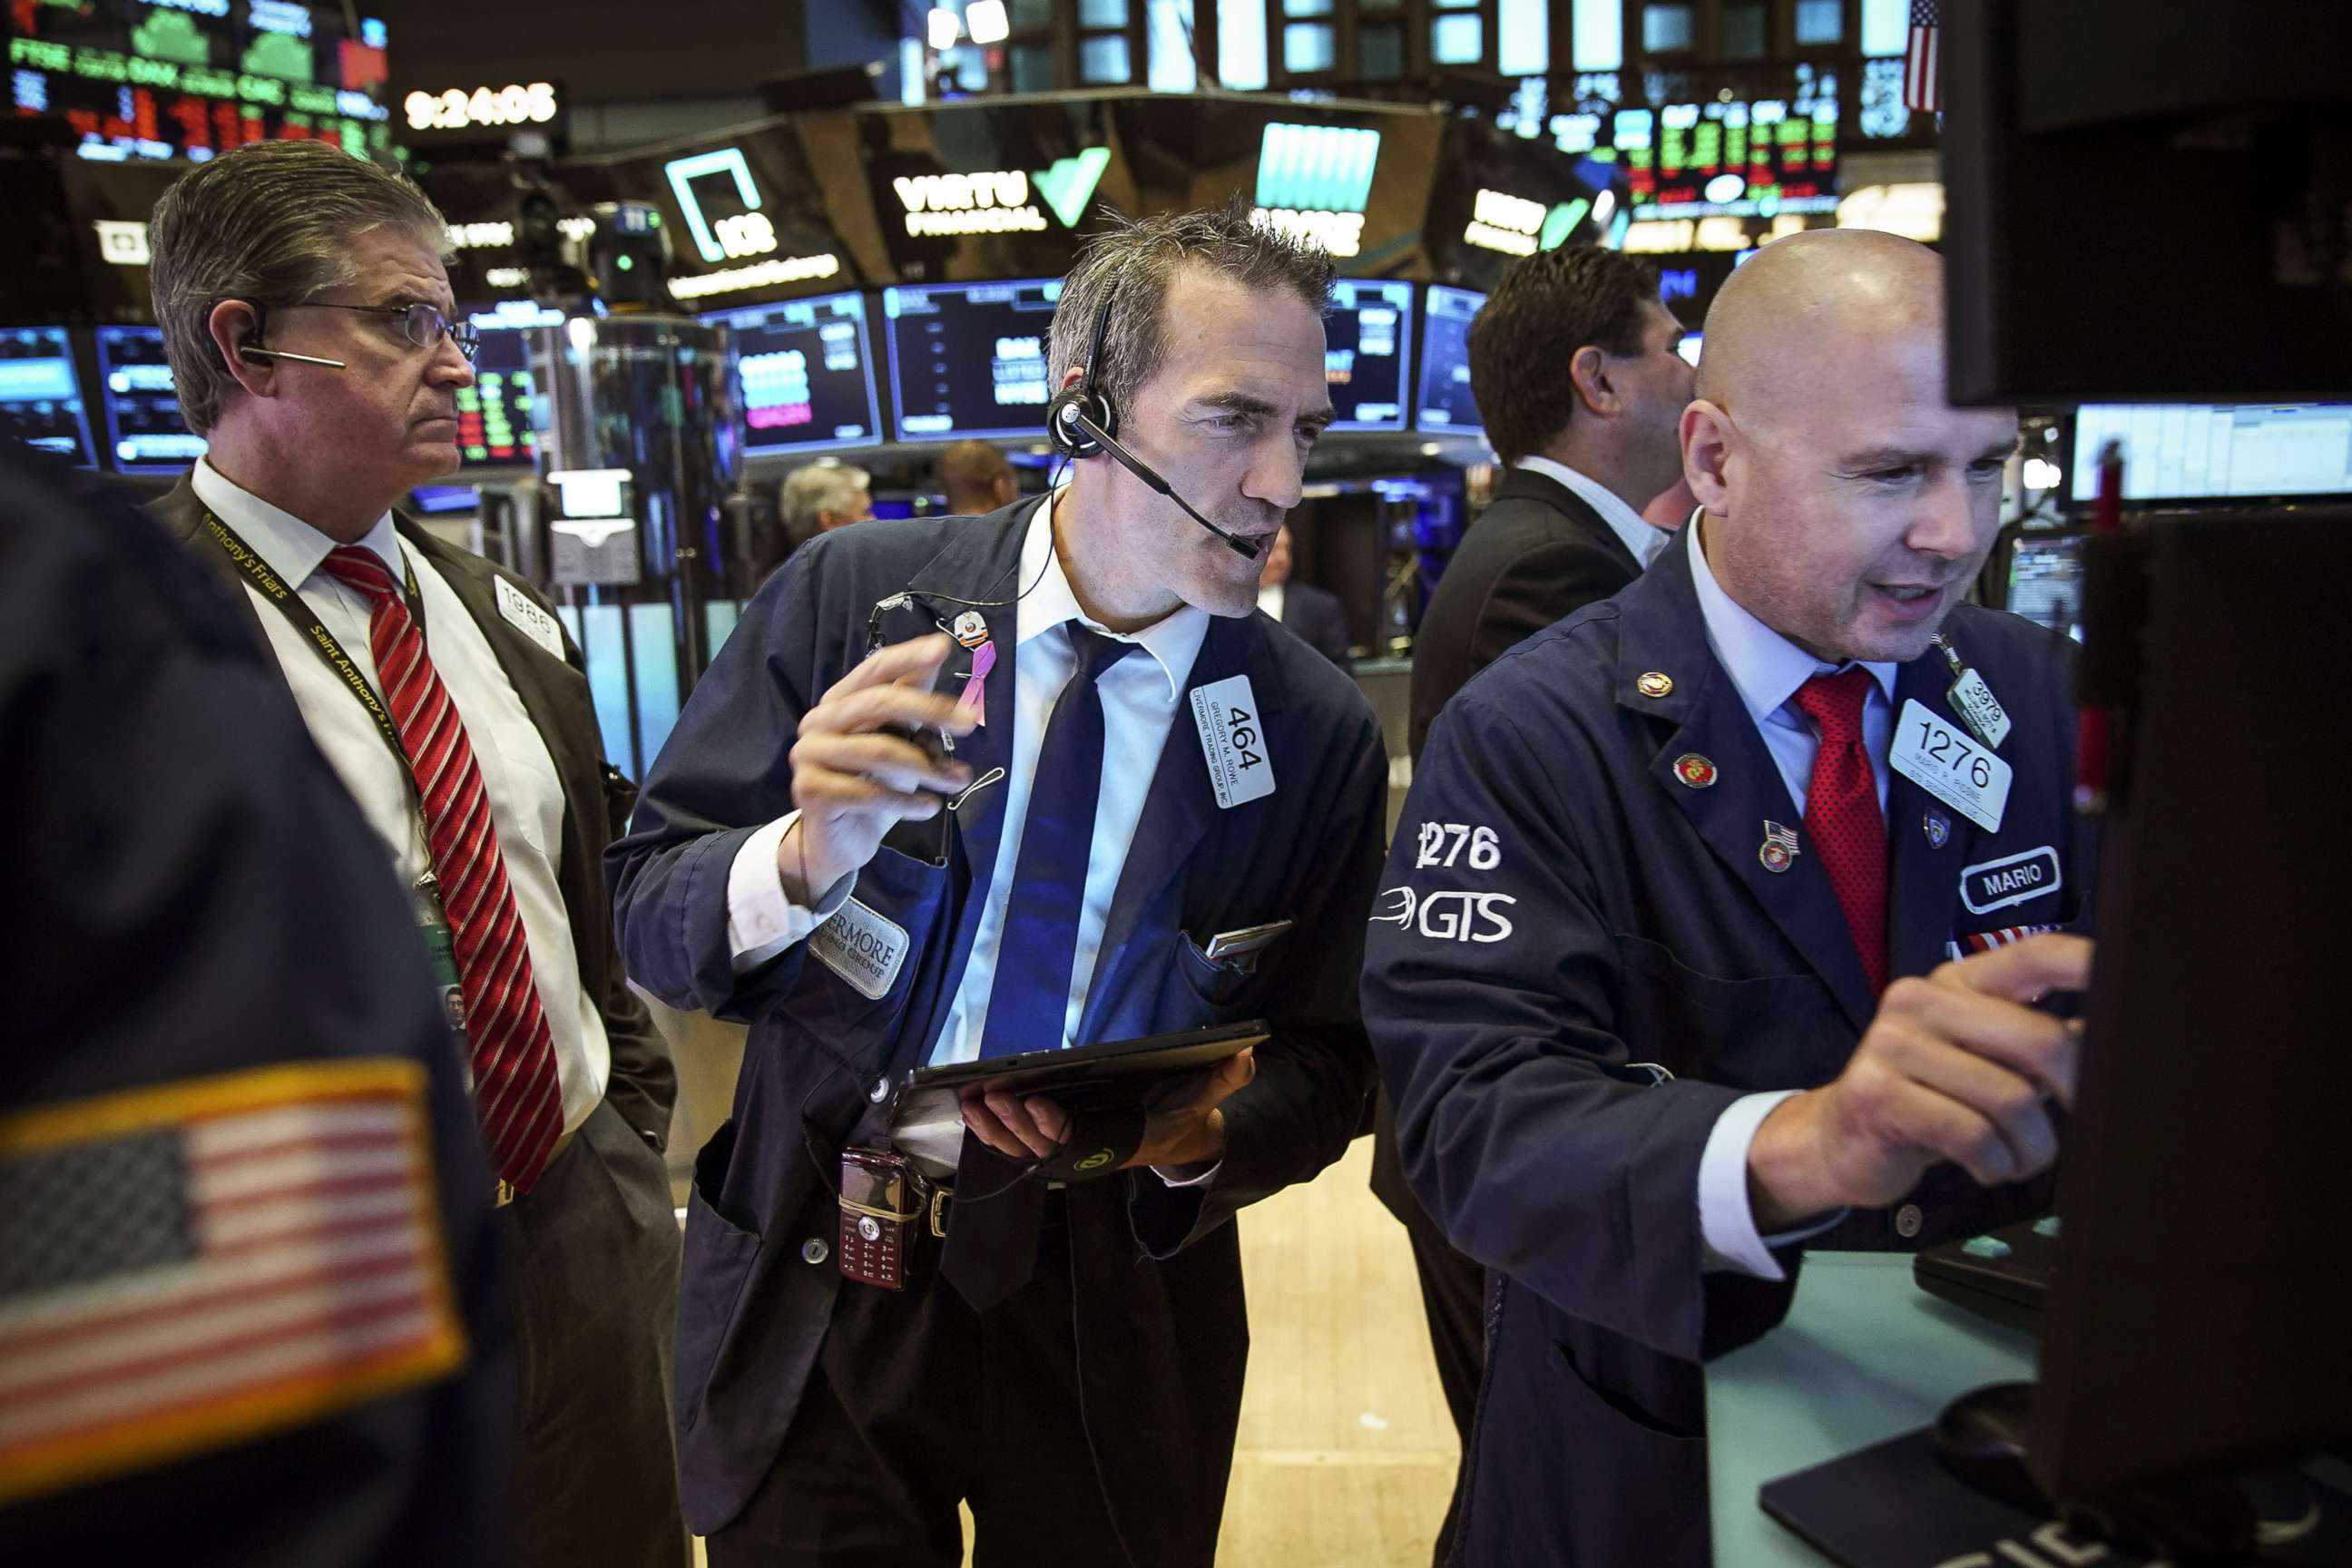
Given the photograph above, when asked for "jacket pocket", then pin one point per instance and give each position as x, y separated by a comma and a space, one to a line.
1769, 1031
720, 1252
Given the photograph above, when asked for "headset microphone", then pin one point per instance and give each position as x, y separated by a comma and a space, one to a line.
1247, 549
246, 351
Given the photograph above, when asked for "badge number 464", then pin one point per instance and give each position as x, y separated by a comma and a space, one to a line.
1242, 731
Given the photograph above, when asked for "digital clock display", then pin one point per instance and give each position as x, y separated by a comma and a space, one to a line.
459, 109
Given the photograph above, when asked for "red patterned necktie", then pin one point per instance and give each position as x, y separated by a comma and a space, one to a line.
513, 1055
1841, 813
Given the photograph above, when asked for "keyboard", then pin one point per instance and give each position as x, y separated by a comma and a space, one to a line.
2004, 1276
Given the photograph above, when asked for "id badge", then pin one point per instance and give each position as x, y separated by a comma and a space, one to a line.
1950, 766
441, 943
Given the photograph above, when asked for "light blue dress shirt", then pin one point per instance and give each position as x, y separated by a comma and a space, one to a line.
1767, 670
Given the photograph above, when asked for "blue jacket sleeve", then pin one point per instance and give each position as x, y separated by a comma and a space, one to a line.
1491, 973
724, 773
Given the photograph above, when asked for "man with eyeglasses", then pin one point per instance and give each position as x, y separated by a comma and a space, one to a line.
315, 344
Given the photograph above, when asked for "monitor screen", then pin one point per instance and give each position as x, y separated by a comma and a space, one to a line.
144, 433
1446, 406
804, 374
2046, 582
40, 399
494, 427
1367, 354
2193, 452
1688, 346
969, 359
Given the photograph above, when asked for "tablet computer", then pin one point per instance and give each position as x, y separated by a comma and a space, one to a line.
1038, 1072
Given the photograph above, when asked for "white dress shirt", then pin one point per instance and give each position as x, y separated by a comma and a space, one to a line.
1768, 669
1142, 695
526, 795
1269, 599
1631, 528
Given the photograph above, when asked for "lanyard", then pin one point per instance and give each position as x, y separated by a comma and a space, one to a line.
274, 589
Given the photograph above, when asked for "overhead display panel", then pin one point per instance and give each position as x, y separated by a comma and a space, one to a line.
191, 79
1503, 196
978, 189
1742, 159
1368, 354
747, 219
969, 359
145, 431
805, 375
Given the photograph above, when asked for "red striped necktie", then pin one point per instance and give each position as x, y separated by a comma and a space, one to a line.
1841, 813
513, 1055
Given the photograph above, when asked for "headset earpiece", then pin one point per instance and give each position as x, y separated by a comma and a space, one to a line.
1083, 399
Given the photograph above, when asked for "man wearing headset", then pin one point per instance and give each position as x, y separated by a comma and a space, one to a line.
961, 789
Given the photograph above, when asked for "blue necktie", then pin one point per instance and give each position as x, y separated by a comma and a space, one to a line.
1029, 1000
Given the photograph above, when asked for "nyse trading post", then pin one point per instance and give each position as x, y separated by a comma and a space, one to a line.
40, 400
804, 374
969, 359
1446, 406
1367, 354
144, 432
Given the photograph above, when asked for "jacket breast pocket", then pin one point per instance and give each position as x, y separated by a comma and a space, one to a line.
1760, 1032
869, 960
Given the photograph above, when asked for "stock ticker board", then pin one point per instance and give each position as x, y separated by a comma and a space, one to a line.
1744, 159
189, 79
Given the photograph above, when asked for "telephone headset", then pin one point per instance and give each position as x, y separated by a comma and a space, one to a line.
252, 350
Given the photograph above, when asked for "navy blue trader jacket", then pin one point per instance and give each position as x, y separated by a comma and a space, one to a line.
1157, 1271
1597, 912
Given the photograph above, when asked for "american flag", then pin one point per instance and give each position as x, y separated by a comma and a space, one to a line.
202, 1264
1923, 76
1970, 944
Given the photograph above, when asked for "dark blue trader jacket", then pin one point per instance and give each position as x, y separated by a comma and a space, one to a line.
1627, 917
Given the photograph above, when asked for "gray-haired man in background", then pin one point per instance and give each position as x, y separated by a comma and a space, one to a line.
316, 344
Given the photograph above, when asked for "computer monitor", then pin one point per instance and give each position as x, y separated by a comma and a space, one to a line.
969, 359
804, 374
1446, 407
2046, 582
2111, 205
1367, 354
1687, 345
144, 432
2240, 452
494, 414
40, 396
2196, 1318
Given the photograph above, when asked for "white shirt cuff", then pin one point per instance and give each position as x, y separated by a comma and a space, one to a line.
761, 920
1727, 1224
1168, 1176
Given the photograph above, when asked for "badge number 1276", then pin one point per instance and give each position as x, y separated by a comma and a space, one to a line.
1948, 765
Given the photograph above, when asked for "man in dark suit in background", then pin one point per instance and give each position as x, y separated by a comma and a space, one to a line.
312, 340
209, 942
1315, 614
1573, 364
976, 478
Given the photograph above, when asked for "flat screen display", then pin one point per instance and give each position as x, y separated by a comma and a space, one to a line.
494, 424
1687, 345
2200, 452
144, 432
1367, 354
804, 374
1748, 159
1446, 406
969, 359
40, 399
2045, 583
